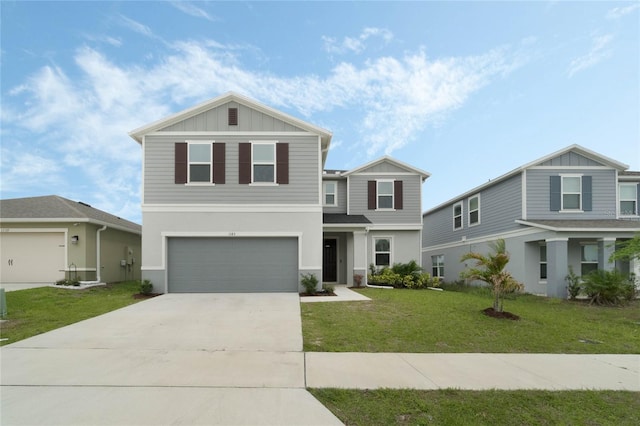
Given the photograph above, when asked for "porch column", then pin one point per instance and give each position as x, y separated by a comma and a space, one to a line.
606, 247
360, 255
557, 267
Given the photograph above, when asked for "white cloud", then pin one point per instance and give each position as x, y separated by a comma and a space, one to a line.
619, 12
86, 119
136, 26
356, 44
192, 10
597, 53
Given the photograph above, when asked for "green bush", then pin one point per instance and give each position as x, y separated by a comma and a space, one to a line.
402, 275
146, 287
573, 284
608, 287
328, 288
409, 268
309, 282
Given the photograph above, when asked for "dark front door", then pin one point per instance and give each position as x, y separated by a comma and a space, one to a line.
330, 261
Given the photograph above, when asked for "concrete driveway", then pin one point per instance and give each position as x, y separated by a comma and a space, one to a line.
174, 359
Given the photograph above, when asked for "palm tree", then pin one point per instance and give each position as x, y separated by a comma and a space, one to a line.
490, 269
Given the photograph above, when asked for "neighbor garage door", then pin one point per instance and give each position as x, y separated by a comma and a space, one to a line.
32, 257
232, 265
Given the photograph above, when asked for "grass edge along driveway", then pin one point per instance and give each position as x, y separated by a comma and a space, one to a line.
423, 321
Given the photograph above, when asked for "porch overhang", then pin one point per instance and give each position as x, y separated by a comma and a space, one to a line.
585, 225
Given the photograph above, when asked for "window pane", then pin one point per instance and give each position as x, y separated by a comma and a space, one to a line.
543, 271
543, 253
457, 210
571, 201
458, 222
330, 188
200, 152
263, 153
588, 268
385, 202
382, 259
263, 173
199, 173
628, 192
385, 188
590, 253
627, 207
473, 203
330, 199
571, 184
383, 244
473, 217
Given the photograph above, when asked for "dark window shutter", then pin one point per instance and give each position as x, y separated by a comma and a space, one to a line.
372, 195
397, 194
233, 116
587, 204
282, 163
244, 163
555, 193
180, 158
218, 163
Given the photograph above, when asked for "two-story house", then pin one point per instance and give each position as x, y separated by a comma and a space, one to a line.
234, 196
566, 209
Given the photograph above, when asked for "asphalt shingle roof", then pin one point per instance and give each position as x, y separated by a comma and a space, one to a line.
335, 218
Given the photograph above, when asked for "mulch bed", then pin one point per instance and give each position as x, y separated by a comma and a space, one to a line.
145, 296
318, 294
501, 315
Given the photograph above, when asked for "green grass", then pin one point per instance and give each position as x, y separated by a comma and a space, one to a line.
38, 310
456, 407
430, 321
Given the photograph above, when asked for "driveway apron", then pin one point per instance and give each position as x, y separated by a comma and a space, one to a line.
174, 359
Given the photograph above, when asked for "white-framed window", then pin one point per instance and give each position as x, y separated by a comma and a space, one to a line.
457, 216
571, 190
589, 258
330, 191
628, 195
474, 210
384, 193
437, 266
382, 251
199, 160
263, 162
543, 262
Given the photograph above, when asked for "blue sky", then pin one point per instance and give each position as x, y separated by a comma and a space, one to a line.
464, 90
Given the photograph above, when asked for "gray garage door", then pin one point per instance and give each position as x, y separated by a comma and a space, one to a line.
233, 265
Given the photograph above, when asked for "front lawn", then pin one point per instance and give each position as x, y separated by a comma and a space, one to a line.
448, 321
35, 311
456, 407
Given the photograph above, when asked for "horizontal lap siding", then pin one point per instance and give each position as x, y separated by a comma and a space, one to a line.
410, 212
159, 186
603, 194
500, 207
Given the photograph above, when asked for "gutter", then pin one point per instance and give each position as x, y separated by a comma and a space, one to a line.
97, 258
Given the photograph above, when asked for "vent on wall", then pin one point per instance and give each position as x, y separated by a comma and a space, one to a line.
233, 116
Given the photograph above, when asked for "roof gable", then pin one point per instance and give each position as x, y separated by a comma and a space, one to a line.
387, 164
576, 156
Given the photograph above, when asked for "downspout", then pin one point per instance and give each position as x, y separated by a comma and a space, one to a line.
97, 257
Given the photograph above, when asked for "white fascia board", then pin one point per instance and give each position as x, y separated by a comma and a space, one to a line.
571, 229
485, 239
582, 151
31, 230
395, 227
69, 220
388, 159
231, 208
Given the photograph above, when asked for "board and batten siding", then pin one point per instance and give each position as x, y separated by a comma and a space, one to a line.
303, 186
570, 159
411, 209
603, 195
216, 120
342, 197
500, 207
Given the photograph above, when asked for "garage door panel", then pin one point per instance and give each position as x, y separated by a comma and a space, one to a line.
237, 265
32, 257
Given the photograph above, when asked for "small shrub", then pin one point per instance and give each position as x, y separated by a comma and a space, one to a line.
309, 282
328, 288
406, 268
608, 287
61, 282
573, 284
146, 287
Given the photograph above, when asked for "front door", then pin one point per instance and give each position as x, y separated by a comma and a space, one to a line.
330, 260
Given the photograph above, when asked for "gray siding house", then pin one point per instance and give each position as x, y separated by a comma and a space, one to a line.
566, 209
235, 200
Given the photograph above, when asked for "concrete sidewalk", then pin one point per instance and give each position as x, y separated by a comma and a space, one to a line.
472, 371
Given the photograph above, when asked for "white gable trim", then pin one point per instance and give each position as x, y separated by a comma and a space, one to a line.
388, 159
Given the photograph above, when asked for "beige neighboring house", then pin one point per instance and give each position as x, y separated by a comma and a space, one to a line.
49, 238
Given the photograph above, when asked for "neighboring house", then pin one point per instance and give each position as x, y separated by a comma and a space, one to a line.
566, 209
49, 238
234, 198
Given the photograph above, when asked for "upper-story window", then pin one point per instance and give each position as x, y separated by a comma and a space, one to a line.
474, 210
628, 195
457, 215
330, 190
385, 194
200, 162
571, 192
263, 162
